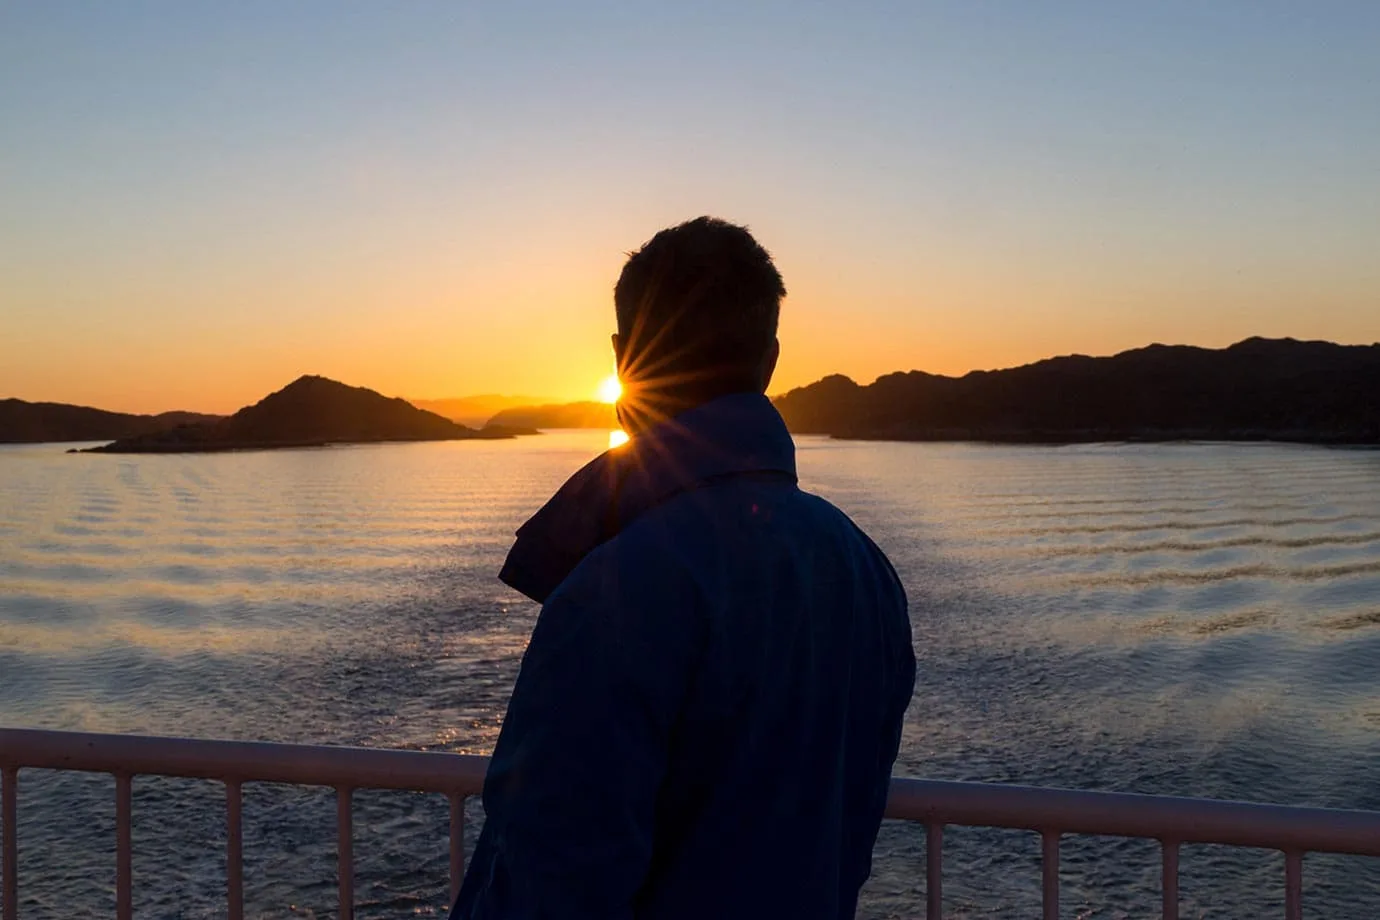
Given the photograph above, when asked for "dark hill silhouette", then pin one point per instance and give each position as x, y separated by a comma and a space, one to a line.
1259, 389
560, 415
29, 422
309, 412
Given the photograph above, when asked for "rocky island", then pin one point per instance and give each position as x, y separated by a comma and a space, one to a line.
309, 412
1255, 390
38, 422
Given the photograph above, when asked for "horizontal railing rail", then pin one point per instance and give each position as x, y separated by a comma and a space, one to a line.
1052, 813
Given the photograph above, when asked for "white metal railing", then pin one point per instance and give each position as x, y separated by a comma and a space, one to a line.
1050, 812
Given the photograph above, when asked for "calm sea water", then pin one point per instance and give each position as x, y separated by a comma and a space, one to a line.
1189, 619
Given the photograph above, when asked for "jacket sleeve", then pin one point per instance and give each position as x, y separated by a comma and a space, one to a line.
572, 790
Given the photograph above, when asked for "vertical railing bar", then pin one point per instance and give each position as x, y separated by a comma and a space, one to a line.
1293, 885
234, 848
1050, 872
934, 871
457, 844
1169, 879
345, 847
9, 813
124, 848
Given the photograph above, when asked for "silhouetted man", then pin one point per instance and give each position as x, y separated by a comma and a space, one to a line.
706, 718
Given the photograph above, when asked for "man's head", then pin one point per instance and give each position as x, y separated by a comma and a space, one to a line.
697, 311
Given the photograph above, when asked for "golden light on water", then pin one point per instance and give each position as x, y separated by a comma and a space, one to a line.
617, 438
610, 388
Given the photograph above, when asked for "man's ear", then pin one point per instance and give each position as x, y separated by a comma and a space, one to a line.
773, 355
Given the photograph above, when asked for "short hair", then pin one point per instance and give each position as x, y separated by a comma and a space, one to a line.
699, 304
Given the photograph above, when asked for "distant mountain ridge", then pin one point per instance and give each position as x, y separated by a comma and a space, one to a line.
560, 415
311, 411
476, 411
33, 422
1257, 389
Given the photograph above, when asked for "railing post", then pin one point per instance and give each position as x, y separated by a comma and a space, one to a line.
345, 846
1293, 885
457, 844
124, 848
934, 871
1050, 871
234, 849
9, 813
1169, 879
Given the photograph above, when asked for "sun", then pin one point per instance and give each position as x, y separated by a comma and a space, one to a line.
617, 438
610, 389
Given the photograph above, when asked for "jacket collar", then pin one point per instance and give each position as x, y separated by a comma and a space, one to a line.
732, 435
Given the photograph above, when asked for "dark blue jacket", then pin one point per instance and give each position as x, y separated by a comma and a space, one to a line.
705, 720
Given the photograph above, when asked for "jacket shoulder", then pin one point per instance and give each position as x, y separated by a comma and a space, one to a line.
827, 509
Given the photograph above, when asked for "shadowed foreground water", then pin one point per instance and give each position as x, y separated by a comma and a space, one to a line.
1187, 619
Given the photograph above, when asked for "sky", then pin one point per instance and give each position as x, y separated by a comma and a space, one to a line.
200, 202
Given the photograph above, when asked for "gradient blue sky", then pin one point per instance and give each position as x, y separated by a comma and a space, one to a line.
199, 201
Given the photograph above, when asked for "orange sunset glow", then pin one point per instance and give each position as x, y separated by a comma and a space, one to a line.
188, 344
